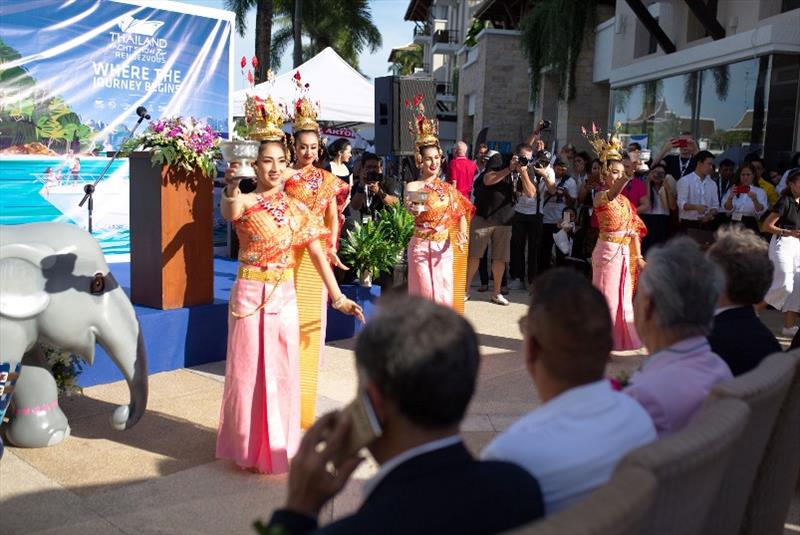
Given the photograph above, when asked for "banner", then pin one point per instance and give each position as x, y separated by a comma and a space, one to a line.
71, 77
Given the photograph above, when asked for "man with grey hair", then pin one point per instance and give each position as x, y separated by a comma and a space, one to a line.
461, 170
673, 312
738, 336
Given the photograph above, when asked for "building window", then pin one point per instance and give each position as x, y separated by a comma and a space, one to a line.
724, 107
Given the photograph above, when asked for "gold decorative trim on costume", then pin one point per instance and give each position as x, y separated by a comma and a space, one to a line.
432, 235
309, 291
270, 276
624, 240
460, 259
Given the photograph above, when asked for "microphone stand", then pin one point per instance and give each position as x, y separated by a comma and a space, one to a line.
90, 188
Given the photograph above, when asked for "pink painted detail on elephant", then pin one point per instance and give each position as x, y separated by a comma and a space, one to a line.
41, 409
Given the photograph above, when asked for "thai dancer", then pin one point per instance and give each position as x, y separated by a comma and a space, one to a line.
259, 424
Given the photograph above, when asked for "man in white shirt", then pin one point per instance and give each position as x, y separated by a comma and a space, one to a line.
698, 202
559, 192
571, 443
526, 228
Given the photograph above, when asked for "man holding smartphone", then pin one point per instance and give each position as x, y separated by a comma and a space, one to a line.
683, 163
418, 365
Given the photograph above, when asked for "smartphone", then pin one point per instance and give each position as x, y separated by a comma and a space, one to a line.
364, 427
680, 143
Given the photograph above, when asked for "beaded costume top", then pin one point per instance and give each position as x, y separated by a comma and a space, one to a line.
271, 230
618, 215
315, 188
443, 205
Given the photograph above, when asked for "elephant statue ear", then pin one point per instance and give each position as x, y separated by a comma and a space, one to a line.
22, 285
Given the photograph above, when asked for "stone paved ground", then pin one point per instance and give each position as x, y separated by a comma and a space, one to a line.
161, 476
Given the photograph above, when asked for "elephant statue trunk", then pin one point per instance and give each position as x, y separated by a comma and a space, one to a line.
126, 416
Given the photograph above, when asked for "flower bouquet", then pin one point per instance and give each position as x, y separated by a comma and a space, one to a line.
184, 142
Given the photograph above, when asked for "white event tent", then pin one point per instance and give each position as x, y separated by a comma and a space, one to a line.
344, 95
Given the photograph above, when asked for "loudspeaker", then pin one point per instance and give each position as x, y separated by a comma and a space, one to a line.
392, 135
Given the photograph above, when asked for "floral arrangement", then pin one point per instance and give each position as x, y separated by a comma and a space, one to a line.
180, 141
65, 368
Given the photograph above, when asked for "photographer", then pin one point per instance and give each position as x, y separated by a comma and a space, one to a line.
560, 192
526, 227
374, 190
495, 197
745, 203
663, 201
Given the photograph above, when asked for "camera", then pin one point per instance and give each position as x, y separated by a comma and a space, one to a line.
373, 176
545, 124
542, 159
522, 160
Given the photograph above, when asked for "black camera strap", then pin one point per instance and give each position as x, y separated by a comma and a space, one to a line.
560, 184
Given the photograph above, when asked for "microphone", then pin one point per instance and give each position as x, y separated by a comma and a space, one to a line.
141, 111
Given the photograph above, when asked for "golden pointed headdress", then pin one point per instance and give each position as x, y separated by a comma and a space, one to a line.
607, 146
265, 118
305, 111
425, 130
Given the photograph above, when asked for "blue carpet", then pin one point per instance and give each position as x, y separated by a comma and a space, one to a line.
197, 335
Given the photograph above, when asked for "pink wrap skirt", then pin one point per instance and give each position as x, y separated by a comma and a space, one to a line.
611, 274
430, 270
259, 422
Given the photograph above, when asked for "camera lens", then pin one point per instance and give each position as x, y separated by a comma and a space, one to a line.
522, 160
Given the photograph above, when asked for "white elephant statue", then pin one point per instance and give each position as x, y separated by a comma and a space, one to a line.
55, 287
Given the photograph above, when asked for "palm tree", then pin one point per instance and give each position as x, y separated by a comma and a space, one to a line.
344, 25
264, 13
404, 62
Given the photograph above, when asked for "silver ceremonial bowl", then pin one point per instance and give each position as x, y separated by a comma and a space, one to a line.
417, 199
244, 152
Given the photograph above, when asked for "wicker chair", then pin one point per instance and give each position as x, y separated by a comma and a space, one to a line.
689, 465
619, 507
777, 475
764, 390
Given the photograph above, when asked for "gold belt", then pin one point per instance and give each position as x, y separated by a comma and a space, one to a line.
614, 239
270, 276
432, 236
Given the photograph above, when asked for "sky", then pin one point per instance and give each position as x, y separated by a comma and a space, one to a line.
387, 15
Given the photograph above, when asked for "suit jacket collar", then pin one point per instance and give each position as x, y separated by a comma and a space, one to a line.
739, 312
421, 465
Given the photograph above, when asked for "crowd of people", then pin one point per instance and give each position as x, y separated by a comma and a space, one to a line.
602, 215
589, 238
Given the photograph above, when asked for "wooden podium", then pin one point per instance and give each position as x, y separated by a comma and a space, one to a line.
171, 223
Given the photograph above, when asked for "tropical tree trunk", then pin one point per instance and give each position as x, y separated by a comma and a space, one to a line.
264, 14
298, 41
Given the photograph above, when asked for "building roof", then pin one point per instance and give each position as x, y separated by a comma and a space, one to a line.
410, 47
418, 10
502, 13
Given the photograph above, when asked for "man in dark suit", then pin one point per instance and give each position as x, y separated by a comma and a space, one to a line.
738, 336
417, 364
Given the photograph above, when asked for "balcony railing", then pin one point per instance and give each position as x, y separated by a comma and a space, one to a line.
422, 30
445, 37
445, 89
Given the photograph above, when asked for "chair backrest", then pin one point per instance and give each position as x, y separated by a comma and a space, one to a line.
620, 507
763, 389
688, 465
775, 481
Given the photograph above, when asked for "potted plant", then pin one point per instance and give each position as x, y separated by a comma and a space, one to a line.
376, 246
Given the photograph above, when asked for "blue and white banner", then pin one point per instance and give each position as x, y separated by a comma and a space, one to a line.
71, 77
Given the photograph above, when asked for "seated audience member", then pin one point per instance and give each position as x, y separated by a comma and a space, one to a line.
673, 311
417, 364
738, 336
571, 443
